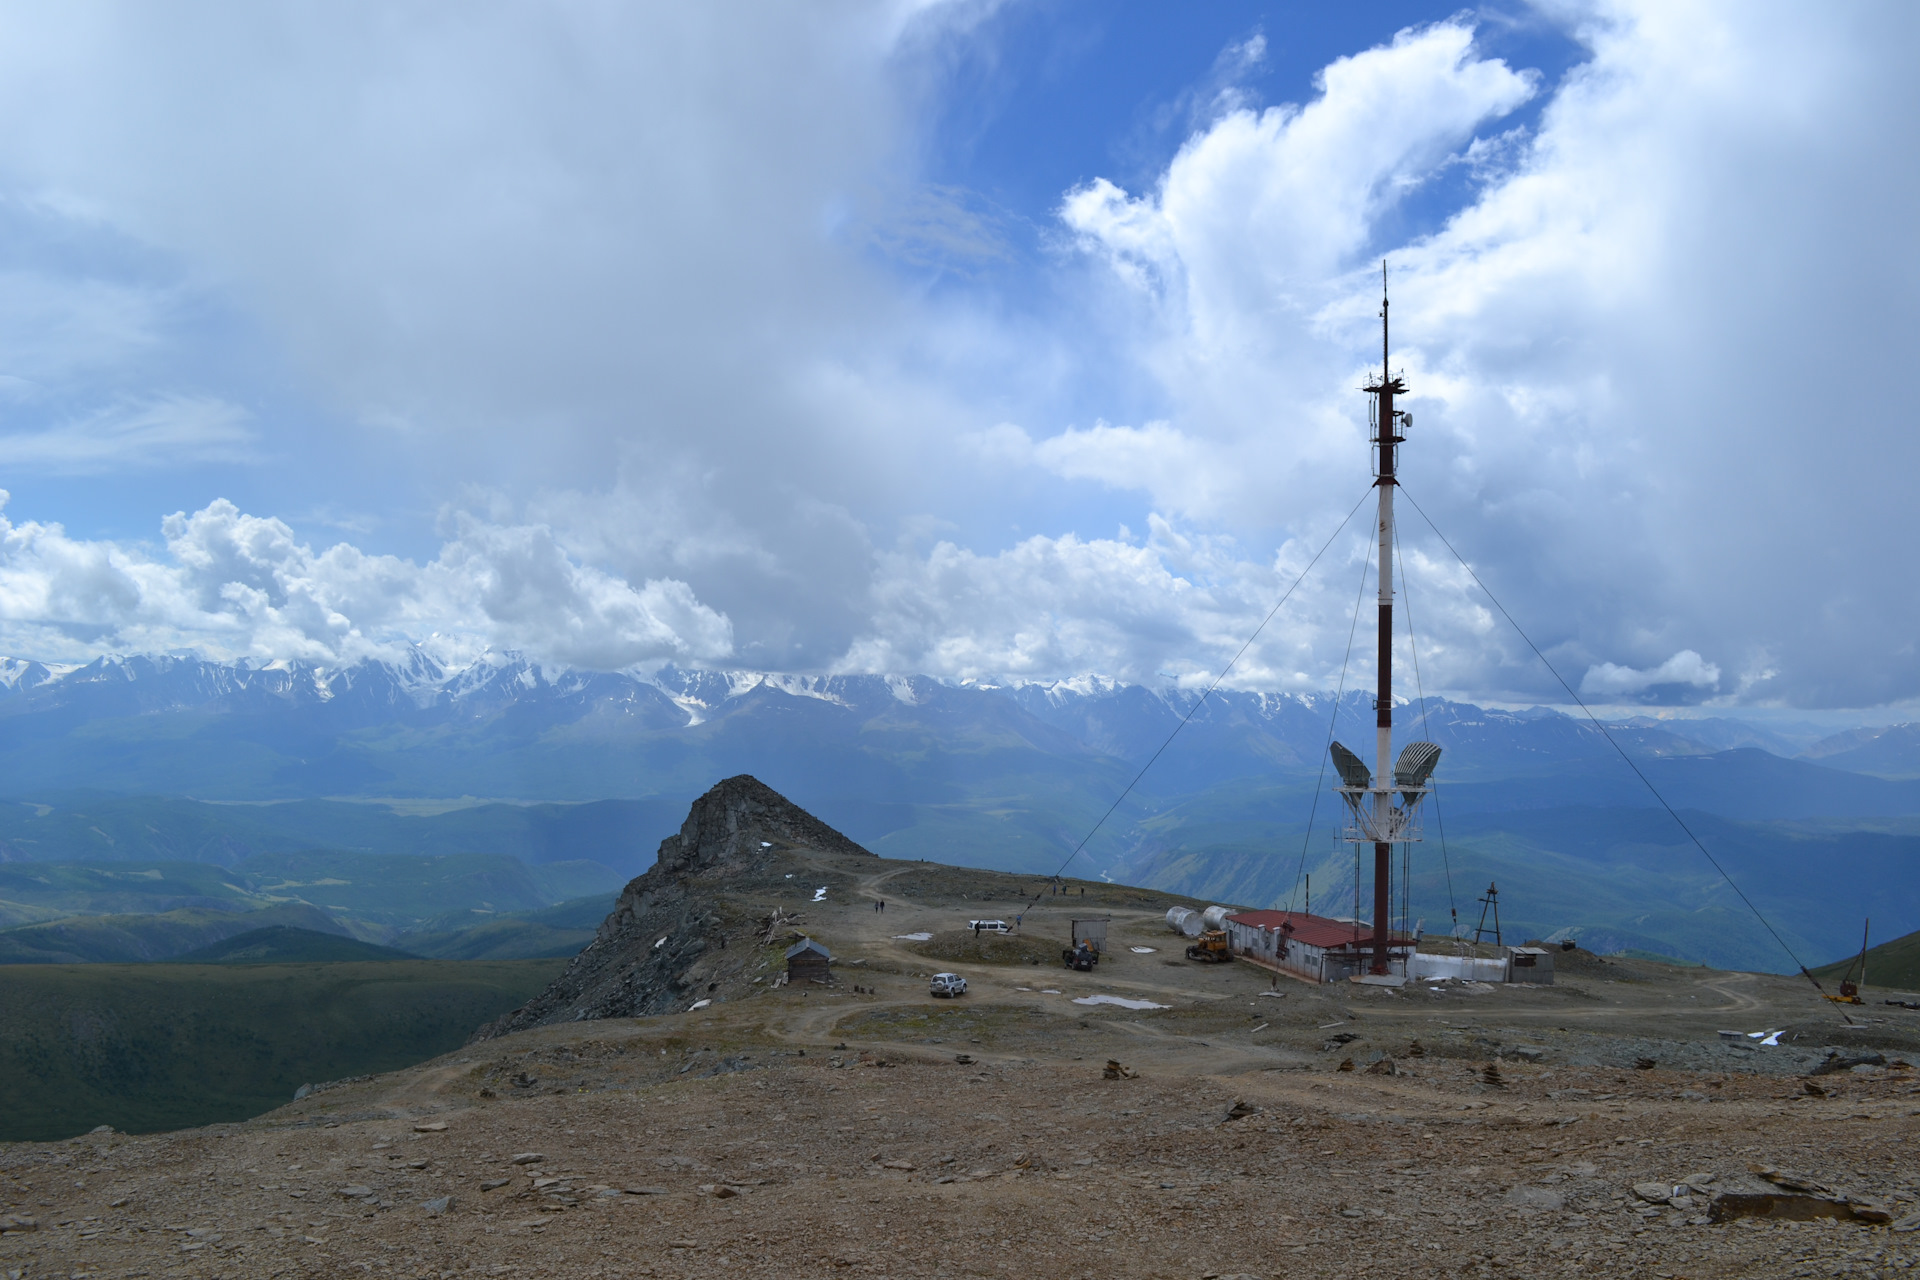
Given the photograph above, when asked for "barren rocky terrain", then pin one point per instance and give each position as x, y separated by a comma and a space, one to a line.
1243, 1125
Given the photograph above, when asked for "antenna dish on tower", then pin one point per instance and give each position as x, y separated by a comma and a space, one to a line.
1353, 772
1413, 768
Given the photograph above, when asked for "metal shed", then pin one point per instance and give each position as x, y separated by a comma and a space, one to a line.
1530, 964
808, 961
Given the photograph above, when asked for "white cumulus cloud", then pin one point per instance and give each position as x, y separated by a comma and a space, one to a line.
1686, 667
237, 585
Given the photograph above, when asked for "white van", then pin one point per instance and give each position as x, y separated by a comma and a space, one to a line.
989, 926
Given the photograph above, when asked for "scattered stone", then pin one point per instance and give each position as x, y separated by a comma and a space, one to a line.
12, 1222
438, 1205
355, 1193
431, 1126
304, 1091
528, 1157
718, 1190
1114, 1071
1645, 1064
1653, 1192
1537, 1198
1346, 1064
494, 1184
1240, 1110
1838, 1061
964, 1059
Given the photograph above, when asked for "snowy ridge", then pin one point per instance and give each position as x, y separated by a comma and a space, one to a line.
1111, 715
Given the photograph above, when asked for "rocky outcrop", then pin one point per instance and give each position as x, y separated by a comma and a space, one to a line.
646, 953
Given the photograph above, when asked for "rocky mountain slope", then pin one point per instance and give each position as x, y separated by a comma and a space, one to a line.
668, 935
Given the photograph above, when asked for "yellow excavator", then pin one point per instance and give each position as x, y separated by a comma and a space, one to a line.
1849, 989
1211, 947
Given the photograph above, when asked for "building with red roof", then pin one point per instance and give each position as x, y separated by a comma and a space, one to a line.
1309, 947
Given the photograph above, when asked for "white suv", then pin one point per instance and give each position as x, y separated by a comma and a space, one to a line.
948, 984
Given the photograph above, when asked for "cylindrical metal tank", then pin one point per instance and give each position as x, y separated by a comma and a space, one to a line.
1191, 926
1216, 917
1177, 918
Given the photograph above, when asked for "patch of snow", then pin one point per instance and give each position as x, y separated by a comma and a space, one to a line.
698, 1004
820, 894
1143, 951
914, 937
1122, 1001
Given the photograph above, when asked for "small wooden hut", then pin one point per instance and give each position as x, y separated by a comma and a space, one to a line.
808, 961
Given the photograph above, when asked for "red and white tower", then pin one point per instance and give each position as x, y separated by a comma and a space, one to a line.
1374, 816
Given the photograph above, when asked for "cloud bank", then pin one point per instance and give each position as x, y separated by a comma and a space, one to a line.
237, 585
673, 314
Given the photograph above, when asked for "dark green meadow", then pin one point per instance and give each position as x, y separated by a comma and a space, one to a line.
145, 1047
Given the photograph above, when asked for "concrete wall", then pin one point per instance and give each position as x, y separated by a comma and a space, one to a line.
1465, 968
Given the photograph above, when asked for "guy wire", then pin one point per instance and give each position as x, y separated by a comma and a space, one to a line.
1198, 702
1638, 773
1413, 646
1325, 747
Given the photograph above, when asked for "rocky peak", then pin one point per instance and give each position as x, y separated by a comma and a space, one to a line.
733, 818
736, 837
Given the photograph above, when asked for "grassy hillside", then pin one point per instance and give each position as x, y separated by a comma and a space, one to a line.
370, 895
1892, 965
85, 826
147, 1047
280, 944
130, 939
560, 930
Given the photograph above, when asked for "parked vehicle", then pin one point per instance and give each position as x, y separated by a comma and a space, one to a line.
1212, 948
1082, 957
989, 926
948, 984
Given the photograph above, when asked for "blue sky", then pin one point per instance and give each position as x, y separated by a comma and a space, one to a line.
982, 340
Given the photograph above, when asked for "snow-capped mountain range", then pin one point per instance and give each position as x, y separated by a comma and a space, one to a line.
1012, 775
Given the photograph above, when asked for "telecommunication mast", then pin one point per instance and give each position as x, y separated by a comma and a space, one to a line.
1373, 816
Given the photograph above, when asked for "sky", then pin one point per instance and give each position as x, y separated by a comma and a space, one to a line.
992, 341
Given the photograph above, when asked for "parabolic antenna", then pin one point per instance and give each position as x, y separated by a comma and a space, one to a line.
1413, 768
1353, 773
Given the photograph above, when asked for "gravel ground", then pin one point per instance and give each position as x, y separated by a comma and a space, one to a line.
820, 1131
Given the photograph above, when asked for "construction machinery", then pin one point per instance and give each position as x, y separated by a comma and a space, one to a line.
1849, 989
1211, 947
